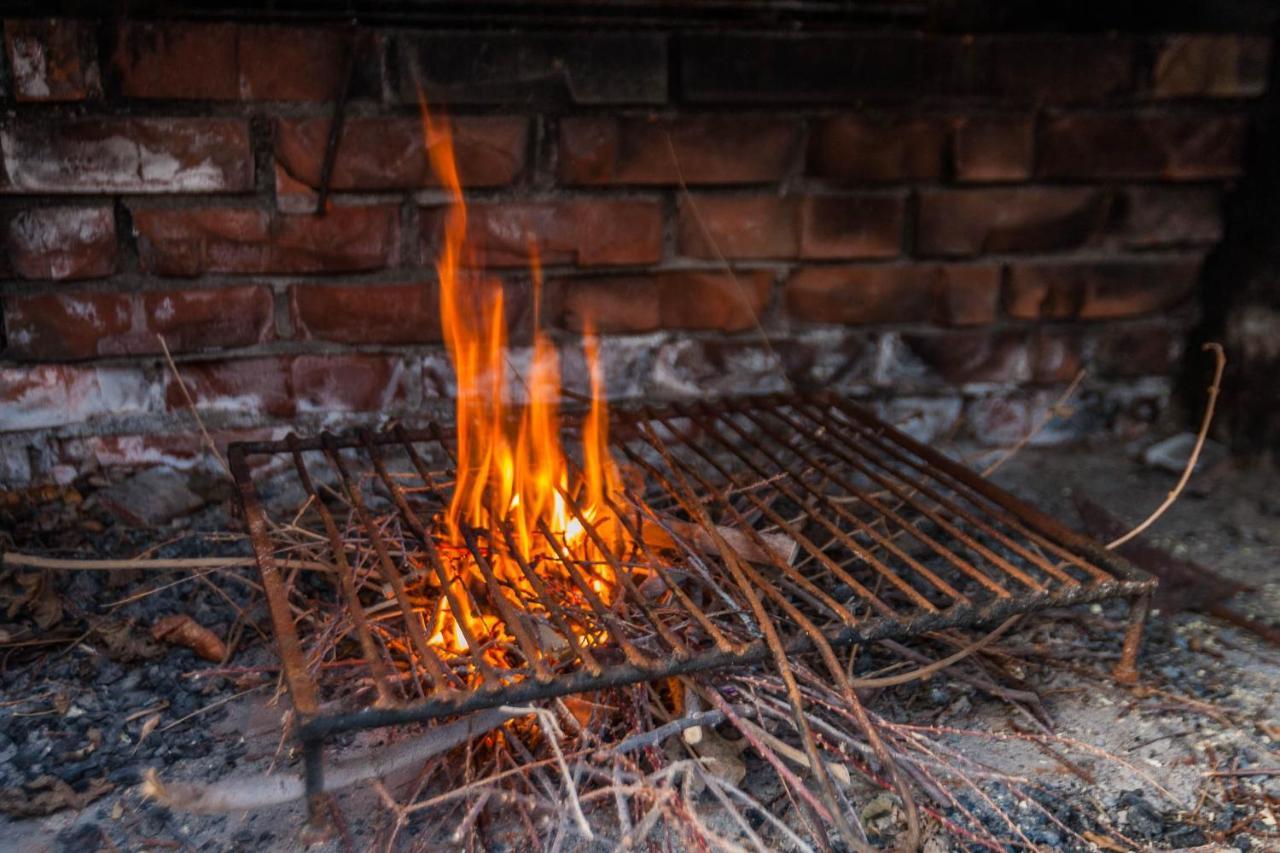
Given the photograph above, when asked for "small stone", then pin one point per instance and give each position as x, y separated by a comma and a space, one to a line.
1173, 453
151, 498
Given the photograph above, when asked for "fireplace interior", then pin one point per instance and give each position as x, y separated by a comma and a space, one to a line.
682, 425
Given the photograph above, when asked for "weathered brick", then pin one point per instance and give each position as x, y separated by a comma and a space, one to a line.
1146, 349
388, 153
508, 67
1165, 216
38, 396
584, 231
689, 149
994, 147
1022, 219
227, 62
861, 148
1211, 66
367, 313
1095, 290
699, 368
1165, 146
669, 300
253, 385
860, 295
126, 155
1057, 354
190, 241
68, 325
814, 67
350, 383
178, 60
1053, 69
209, 318
51, 59
61, 243
829, 358
963, 357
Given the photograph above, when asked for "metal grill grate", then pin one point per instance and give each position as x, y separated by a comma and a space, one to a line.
839, 524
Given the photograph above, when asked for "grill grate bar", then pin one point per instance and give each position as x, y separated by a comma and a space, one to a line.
806, 511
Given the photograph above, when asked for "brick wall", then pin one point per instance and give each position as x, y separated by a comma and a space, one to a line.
951, 224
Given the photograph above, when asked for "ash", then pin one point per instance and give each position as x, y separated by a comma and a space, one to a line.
1041, 747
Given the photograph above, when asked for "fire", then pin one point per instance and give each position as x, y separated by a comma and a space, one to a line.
511, 467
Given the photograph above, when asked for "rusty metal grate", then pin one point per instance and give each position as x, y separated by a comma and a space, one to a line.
842, 525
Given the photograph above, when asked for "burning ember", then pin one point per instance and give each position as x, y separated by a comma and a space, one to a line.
514, 487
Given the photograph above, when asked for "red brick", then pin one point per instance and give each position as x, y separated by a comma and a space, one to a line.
1165, 216
51, 59
252, 385
178, 60
859, 148
68, 325
1023, 219
963, 357
851, 226
388, 153
191, 241
37, 396
695, 150
350, 383
739, 226
1054, 69
1149, 349
367, 313
226, 62
859, 295
209, 318
994, 148
585, 231
291, 63
769, 226
1211, 66
127, 155
1161, 146
1099, 290
61, 243
671, 300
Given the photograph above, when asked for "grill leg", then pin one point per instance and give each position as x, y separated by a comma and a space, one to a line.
1126, 671
318, 826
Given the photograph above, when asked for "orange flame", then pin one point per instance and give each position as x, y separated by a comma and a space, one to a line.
511, 467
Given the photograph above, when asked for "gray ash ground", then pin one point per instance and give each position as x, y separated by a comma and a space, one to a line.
73, 709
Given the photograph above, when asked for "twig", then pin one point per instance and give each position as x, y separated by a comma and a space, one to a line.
191, 404
1220, 364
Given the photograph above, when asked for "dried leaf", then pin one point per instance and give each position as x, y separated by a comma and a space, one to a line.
1103, 841
182, 630
121, 640
48, 794
148, 726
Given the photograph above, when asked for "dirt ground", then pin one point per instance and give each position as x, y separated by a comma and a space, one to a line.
89, 701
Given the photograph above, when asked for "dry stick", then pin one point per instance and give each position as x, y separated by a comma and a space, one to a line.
1051, 413
711, 241
1220, 364
252, 792
191, 404
33, 561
